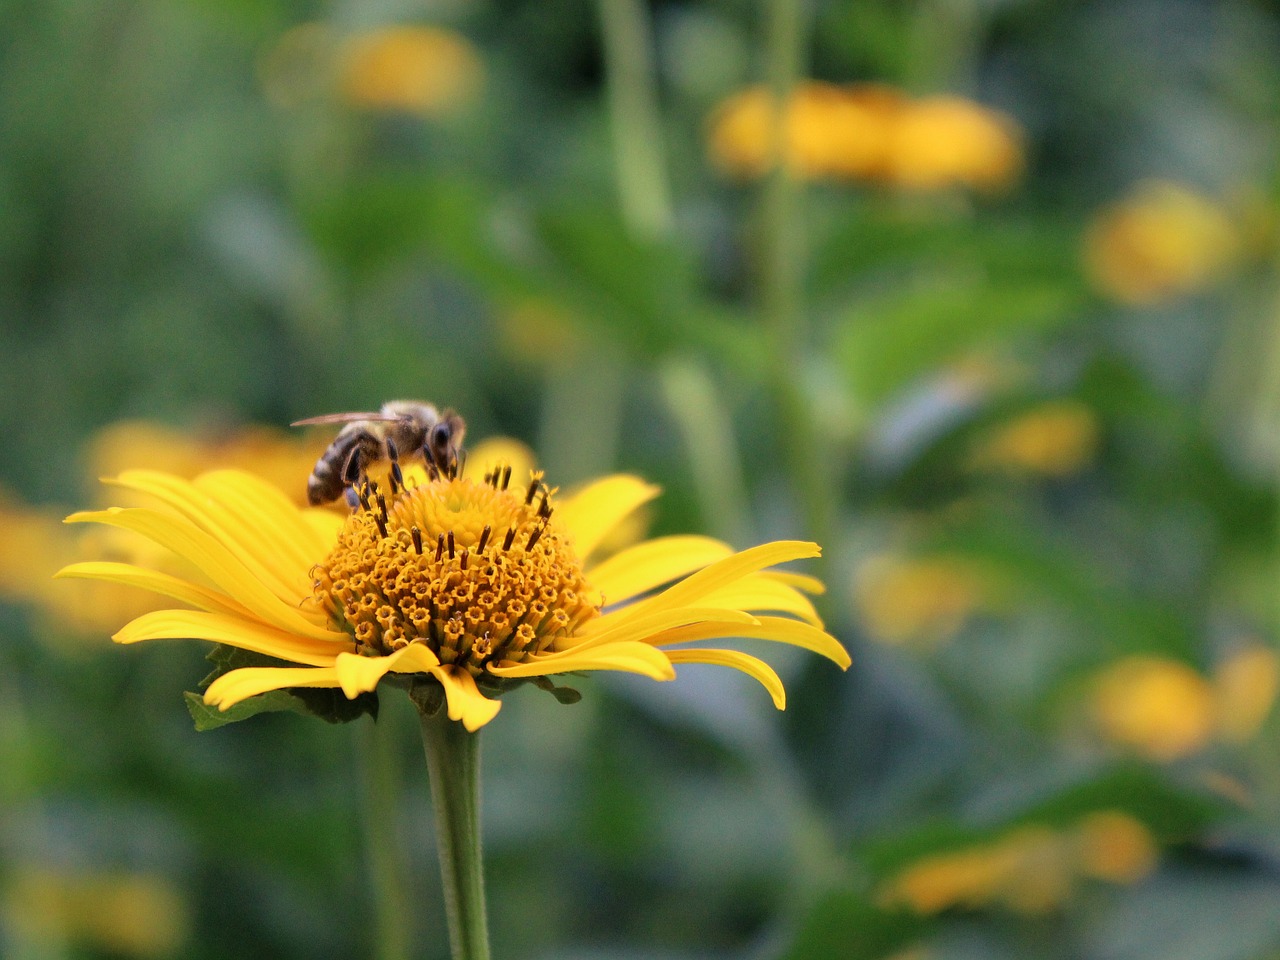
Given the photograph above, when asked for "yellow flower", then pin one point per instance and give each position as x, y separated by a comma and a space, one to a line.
1054, 440
829, 131
1161, 242
475, 583
272, 454
1032, 869
1244, 691
1027, 870
1115, 846
921, 601
1158, 707
422, 70
867, 132
124, 914
944, 141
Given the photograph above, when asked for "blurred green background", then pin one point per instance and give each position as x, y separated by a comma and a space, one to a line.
1003, 335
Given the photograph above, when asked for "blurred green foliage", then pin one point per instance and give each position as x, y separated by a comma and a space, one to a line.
196, 228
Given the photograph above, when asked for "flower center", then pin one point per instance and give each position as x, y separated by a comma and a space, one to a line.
474, 570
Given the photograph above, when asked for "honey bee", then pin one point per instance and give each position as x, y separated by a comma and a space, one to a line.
401, 426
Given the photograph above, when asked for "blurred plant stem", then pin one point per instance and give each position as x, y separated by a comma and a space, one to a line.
382, 796
945, 44
709, 442
453, 763
633, 106
583, 407
782, 274
582, 413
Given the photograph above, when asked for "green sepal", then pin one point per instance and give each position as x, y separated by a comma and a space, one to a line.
427, 695
565, 695
328, 703
208, 717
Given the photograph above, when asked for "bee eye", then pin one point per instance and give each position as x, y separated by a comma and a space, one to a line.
440, 435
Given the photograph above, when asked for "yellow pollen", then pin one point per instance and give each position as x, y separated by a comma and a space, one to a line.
479, 573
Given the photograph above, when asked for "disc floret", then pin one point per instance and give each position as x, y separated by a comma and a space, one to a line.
477, 571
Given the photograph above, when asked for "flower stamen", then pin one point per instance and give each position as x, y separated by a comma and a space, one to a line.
471, 608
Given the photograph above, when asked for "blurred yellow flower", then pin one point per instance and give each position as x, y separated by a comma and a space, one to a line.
272, 454
915, 601
123, 914
867, 132
538, 331
945, 141
1160, 708
423, 70
1115, 846
1162, 241
36, 544
1244, 690
1054, 440
1032, 869
1026, 871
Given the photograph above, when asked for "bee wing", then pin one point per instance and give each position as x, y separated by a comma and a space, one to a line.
343, 418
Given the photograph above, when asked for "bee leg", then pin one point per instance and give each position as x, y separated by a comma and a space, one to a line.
397, 476
433, 471
353, 469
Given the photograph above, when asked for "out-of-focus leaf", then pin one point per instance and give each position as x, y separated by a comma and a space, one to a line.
845, 924
871, 244
886, 343
1172, 813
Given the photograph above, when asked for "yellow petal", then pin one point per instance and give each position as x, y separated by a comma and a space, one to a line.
267, 508
739, 661
628, 656
593, 512
801, 581
614, 627
650, 564
779, 629
215, 561
463, 698
325, 525
235, 631
238, 685
759, 591
361, 674
272, 563
156, 582
357, 674
698, 585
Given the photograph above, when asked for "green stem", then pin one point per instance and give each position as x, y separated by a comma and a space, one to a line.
633, 107
453, 763
392, 916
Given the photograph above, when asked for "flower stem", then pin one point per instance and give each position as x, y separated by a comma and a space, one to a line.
381, 777
453, 763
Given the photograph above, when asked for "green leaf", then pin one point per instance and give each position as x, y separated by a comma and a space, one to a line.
327, 703
845, 924
1174, 814
565, 695
207, 717
887, 343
